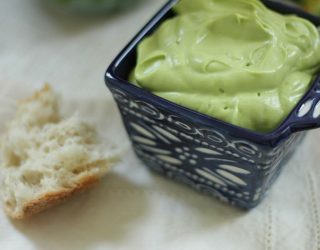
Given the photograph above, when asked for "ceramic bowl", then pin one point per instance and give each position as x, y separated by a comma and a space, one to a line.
236, 165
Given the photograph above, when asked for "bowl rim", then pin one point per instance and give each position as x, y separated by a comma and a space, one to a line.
272, 138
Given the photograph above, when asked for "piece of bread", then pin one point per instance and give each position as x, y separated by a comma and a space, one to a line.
46, 159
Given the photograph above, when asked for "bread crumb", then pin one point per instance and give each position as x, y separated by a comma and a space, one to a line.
46, 159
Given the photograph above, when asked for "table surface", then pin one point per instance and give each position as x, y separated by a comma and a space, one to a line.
133, 208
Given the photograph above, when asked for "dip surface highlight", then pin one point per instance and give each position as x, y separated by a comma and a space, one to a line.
234, 60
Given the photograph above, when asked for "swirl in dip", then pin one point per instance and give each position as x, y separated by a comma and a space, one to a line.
234, 60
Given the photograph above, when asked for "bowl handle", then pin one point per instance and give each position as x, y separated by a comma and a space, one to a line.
306, 115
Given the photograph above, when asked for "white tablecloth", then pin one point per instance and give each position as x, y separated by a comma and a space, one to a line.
133, 208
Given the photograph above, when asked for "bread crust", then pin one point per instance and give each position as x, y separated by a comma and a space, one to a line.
50, 199
81, 174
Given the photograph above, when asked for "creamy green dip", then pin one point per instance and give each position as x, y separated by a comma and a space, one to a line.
234, 60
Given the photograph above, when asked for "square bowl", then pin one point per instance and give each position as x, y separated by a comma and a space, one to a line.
230, 163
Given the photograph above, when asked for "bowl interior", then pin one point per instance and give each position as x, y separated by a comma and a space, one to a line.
128, 62
122, 66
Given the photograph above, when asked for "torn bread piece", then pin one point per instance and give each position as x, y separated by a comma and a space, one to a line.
46, 159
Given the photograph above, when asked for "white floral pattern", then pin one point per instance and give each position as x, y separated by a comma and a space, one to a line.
316, 111
234, 170
305, 108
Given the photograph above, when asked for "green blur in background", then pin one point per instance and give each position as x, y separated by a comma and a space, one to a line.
92, 6
312, 6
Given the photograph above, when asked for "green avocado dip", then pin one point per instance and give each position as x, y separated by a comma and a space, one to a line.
234, 60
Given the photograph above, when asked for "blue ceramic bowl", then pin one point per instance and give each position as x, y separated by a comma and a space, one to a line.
234, 164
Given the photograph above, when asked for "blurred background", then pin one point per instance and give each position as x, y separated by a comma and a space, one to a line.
69, 44
104, 6
312, 6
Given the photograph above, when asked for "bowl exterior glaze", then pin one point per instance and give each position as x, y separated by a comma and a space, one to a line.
208, 159
235, 165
